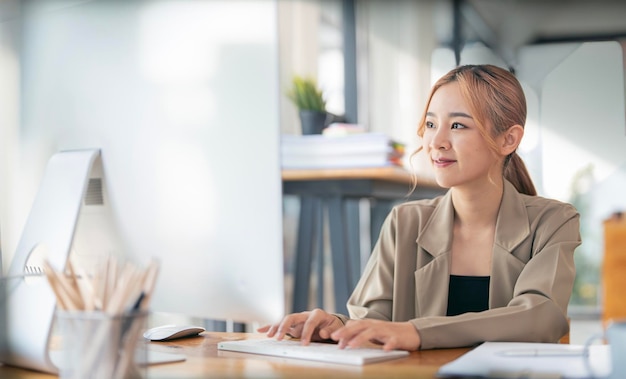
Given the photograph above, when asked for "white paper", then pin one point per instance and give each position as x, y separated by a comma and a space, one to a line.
536, 360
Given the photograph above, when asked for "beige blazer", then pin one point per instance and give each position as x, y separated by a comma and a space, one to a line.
532, 272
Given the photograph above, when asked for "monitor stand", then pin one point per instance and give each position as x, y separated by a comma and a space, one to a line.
27, 303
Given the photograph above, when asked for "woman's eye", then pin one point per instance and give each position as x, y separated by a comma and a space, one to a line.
456, 125
429, 125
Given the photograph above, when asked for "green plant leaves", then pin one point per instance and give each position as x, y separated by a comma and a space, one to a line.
305, 94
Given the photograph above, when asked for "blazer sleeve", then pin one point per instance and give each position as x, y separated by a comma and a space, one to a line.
537, 311
373, 295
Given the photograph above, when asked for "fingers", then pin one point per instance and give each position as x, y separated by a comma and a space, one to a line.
325, 332
289, 325
392, 335
319, 324
307, 326
292, 325
354, 334
269, 329
392, 344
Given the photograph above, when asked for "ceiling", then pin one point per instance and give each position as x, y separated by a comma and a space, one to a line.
507, 25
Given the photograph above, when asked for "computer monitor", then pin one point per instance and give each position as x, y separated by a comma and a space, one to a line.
181, 98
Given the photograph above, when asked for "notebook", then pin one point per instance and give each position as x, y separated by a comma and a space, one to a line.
316, 351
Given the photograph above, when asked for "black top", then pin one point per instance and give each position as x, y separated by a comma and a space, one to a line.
467, 294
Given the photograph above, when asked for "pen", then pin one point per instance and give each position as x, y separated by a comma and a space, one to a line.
542, 353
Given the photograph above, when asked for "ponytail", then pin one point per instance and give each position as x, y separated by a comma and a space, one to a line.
515, 172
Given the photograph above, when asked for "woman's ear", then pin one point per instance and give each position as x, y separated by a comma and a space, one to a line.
511, 139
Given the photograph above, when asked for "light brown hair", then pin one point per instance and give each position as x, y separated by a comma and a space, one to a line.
497, 102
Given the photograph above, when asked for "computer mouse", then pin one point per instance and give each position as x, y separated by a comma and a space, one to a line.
171, 332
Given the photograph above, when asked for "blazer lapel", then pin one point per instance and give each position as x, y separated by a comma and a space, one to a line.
511, 229
434, 244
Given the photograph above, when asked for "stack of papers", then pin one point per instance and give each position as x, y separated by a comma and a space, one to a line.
346, 151
530, 360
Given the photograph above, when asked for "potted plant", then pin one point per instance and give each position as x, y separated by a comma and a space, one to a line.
310, 102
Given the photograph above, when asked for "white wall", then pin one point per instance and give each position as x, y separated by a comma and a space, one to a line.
395, 67
9, 110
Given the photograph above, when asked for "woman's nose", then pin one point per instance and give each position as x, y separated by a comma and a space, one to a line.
440, 140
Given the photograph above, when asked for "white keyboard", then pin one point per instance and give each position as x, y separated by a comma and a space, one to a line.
316, 351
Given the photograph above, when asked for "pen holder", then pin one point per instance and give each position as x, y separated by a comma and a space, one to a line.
99, 345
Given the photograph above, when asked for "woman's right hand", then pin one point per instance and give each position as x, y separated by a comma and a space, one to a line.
315, 325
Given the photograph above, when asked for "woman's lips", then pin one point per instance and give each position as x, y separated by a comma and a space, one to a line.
443, 162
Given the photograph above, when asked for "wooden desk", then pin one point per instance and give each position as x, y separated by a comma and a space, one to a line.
339, 191
205, 361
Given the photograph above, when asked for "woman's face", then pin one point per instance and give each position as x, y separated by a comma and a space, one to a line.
459, 154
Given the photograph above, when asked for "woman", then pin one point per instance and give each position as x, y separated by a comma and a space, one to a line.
487, 261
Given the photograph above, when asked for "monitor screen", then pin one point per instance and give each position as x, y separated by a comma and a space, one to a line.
181, 98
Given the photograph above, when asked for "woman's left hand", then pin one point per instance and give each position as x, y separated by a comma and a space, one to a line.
392, 335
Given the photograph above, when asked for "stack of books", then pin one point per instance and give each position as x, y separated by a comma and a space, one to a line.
346, 151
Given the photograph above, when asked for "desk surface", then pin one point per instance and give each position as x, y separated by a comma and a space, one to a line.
205, 361
391, 174
378, 182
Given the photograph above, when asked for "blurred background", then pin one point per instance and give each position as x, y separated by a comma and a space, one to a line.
375, 61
